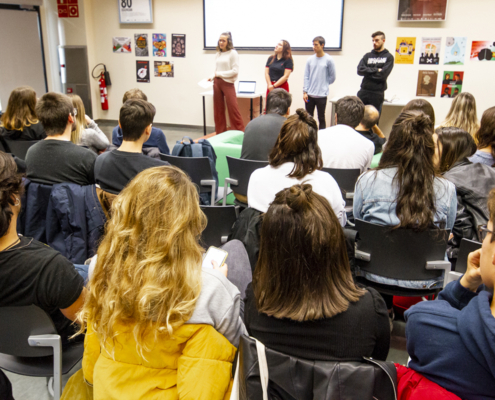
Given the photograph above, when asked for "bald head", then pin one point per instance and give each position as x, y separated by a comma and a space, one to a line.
370, 118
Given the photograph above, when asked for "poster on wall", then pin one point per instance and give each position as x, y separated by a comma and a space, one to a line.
422, 10
141, 44
178, 45
142, 71
452, 83
427, 83
404, 51
455, 50
121, 44
159, 45
164, 69
483, 50
430, 50
135, 11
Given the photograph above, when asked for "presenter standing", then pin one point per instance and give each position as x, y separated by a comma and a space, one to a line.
375, 67
226, 71
279, 67
318, 75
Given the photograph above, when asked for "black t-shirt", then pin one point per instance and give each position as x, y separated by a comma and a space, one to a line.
361, 331
115, 169
277, 69
32, 132
33, 273
58, 161
377, 140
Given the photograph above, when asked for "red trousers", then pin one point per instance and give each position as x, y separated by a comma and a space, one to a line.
284, 86
225, 90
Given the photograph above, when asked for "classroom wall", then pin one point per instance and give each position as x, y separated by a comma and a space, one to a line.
178, 101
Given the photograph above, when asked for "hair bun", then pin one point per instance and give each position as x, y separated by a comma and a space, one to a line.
297, 196
303, 114
421, 122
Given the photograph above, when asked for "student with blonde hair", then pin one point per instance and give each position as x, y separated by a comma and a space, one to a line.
462, 114
157, 324
87, 132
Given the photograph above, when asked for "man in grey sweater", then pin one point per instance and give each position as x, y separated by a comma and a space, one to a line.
262, 133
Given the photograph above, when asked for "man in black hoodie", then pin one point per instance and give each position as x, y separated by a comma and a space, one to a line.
375, 67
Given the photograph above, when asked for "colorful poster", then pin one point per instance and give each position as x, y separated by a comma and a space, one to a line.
164, 69
404, 52
422, 10
141, 44
159, 45
430, 50
121, 44
455, 50
452, 83
142, 71
178, 45
427, 83
483, 50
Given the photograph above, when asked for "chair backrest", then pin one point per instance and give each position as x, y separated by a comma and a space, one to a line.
220, 223
241, 171
345, 178
198, 169
400, 253
2, 148
467, 246
17, 324
19, 148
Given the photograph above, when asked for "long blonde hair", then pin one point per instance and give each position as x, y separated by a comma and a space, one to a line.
81, 125
462, 114
148, 273
20, 112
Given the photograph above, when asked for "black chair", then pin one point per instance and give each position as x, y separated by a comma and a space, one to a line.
19, 148
220, 222
199, 170
402, 254
30, 345
239, 173
467, 246
346, 179
2, 147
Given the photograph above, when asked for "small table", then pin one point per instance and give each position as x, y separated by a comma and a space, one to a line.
239, 96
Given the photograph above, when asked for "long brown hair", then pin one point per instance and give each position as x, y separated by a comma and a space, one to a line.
297, 142
421, 105
20, 111
456, 144
10, 187
303, 271
286, 53
485, 137
410, 149
462, 114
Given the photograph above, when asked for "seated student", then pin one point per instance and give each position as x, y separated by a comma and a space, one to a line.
303, 301
261, 133
56, 159
462, 114
485, 138
473, 183
114, 169
341, 146
32, 272
296, 158
19, 121
369, 129
451, 341
158, 324
157, 137
405, 191
423, 106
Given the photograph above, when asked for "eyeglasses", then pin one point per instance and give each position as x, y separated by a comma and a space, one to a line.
483, 231
75, 112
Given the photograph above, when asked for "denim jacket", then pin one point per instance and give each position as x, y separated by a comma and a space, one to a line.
375, 201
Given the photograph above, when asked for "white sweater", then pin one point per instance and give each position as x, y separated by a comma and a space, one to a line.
227, 65
266, 182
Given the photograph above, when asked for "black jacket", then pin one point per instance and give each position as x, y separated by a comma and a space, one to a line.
32, 132
473, 182
368, 67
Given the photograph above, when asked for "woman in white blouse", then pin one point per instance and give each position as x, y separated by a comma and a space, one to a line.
226, 71
295, 158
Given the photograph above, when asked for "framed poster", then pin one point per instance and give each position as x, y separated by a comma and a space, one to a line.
452, 83
455, 50
142, 71
135, 12
422, 10
404, 51
427, 83
178, 45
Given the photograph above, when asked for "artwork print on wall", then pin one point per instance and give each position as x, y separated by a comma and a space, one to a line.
452, 83
121, 44
430, 50
141, 44
159, 45
404, 51
483, 50
455, 50
427, 83
178, 45
142, 71
164, 69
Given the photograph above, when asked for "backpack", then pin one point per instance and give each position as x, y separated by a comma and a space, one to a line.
201, 149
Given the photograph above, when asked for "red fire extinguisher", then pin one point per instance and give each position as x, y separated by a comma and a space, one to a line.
103, 92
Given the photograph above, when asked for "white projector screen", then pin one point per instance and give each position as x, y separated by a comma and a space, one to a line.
261, 24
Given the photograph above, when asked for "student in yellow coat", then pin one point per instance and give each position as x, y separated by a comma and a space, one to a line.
158, 326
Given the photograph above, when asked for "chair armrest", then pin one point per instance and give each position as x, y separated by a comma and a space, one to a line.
440, 265
213, 184
226, 186
361, 255
452, 276
54, 342
349, 195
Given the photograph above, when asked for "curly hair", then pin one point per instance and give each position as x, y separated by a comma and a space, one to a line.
10, 187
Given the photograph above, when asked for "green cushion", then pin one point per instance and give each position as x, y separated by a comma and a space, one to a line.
376, 160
